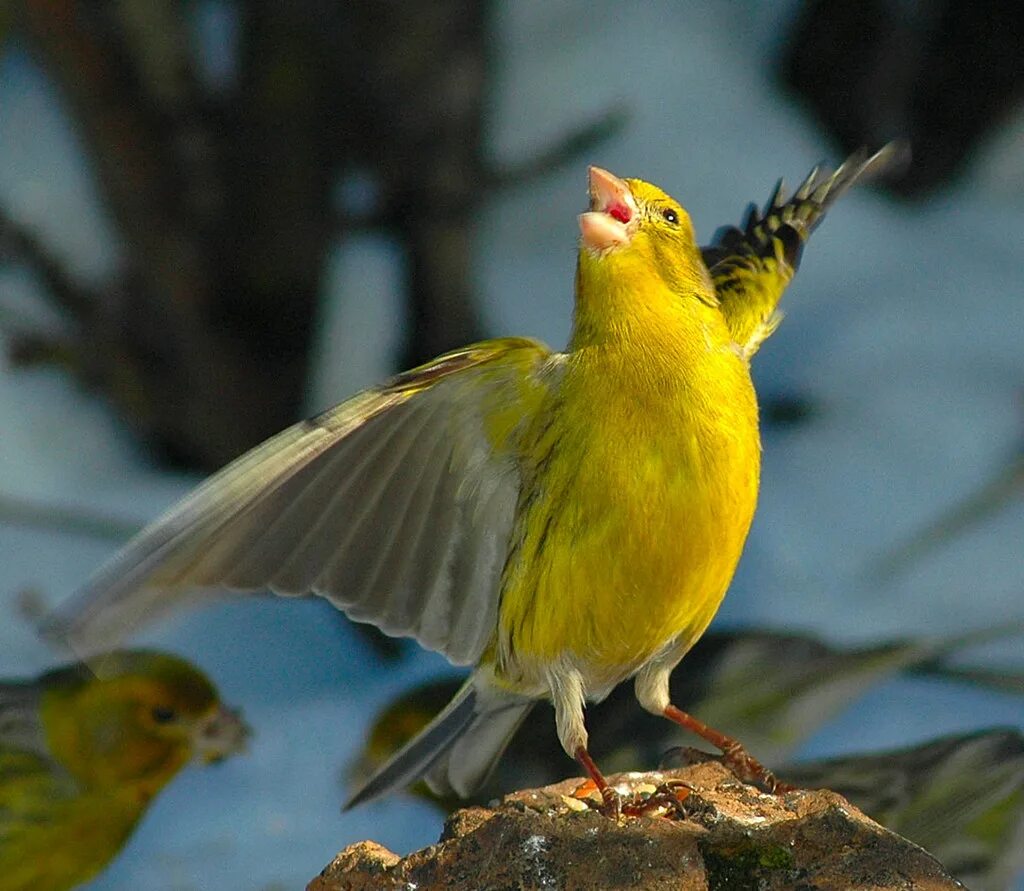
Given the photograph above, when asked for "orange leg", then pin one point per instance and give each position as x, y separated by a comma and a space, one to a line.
734, 756
612, 802
668, 797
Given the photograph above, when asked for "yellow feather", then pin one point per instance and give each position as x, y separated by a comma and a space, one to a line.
641, 469
564, 521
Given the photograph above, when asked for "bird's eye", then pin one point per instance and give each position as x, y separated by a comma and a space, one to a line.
670, 216
162, 714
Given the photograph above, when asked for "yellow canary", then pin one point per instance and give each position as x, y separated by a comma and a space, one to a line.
561, 521
82, 757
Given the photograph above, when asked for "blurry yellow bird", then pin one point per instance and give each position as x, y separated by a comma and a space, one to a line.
81, 758
561, 521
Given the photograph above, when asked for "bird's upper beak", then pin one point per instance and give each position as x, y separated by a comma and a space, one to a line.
220, 734
612, 211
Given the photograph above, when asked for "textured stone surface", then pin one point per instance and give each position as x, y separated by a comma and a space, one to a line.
729, 837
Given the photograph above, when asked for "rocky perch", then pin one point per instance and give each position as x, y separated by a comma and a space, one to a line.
721, 835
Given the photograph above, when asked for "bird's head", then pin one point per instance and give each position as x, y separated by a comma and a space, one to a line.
144, 718
638, 248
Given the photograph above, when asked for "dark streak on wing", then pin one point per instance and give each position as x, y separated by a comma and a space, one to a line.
751, 265
21, 725
792, 221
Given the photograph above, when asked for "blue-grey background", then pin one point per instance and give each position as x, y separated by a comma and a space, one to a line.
904, 325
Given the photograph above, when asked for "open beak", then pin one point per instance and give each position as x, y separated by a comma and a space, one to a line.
612, 209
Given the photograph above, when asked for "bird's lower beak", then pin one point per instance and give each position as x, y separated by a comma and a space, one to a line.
220, 734
612, 209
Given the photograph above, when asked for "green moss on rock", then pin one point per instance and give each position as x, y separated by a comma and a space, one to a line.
748, 866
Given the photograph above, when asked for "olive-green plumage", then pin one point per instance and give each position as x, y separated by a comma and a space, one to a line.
82, 757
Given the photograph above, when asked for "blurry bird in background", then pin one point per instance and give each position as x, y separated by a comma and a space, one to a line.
960, 797
562, 521
82, 757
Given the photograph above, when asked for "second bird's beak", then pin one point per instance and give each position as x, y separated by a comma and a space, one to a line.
220, 734
612, 210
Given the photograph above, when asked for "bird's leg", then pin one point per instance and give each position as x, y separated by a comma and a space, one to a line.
667, 798
612, 800
734, 755
567, 696
652, 692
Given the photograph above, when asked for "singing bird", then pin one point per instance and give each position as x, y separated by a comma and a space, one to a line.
561, 521
82, 757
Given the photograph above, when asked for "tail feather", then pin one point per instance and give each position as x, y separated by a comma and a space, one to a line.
457, 750
417, 756
474, 753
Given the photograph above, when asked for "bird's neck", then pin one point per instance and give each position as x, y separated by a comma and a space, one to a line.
644, 325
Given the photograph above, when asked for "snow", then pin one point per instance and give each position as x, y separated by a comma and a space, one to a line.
903, 328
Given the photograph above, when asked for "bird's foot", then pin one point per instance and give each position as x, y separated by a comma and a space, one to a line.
748, 769
664, 801
744, 766
611, 801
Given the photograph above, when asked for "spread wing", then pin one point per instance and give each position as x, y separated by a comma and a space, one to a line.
396, 506
752, 265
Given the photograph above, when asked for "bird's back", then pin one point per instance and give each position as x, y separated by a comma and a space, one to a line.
55, 834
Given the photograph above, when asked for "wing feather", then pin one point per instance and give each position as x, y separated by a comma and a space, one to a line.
378, 534
396, 506
368, 504
426, 579
403, 581
329, 516
276, 525
477, 559
752, 265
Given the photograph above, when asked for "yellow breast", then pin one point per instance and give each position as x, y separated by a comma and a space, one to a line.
636, 506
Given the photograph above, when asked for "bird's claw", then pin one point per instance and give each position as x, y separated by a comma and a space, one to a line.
748, 769
667, 799
611, 804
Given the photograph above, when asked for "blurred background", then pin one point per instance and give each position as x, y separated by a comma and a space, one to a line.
217, 217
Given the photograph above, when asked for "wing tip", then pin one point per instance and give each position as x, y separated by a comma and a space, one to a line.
863, 166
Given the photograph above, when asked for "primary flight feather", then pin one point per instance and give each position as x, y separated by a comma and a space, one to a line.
561, 521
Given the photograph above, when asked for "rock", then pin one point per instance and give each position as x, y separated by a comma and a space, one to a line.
725, 835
